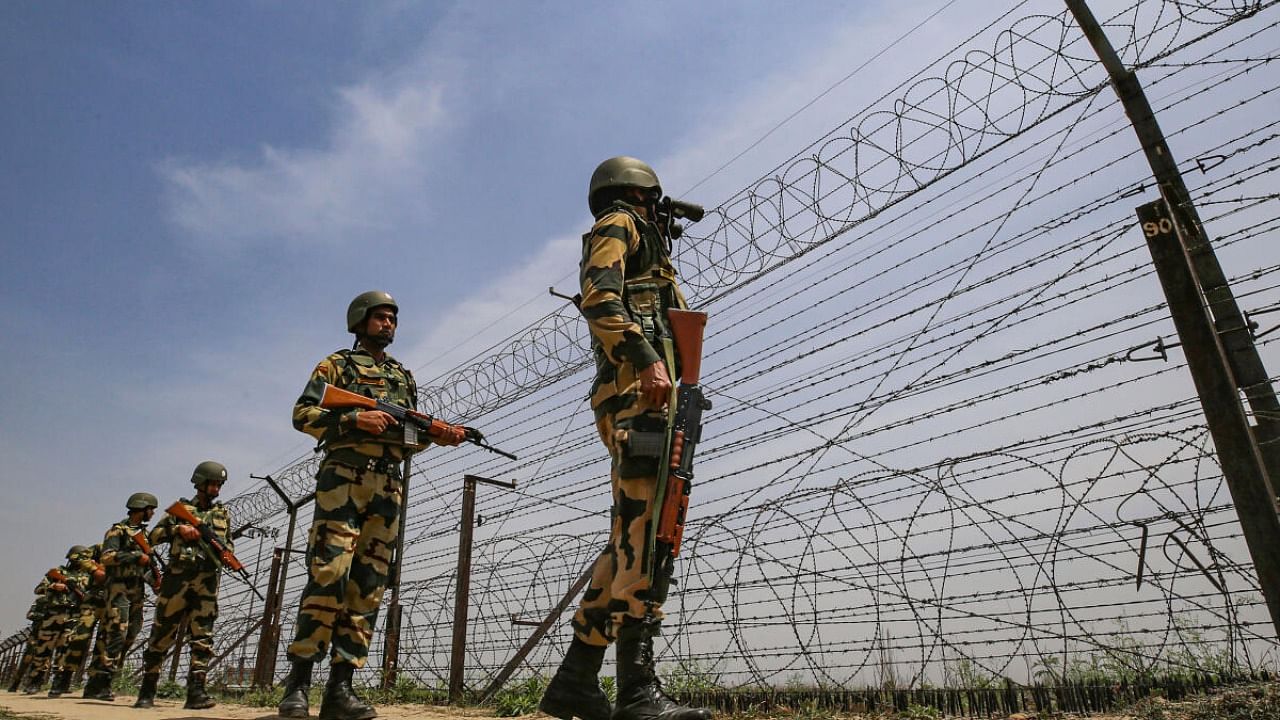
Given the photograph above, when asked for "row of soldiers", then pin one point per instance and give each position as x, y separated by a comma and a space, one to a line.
103, 586
358, 404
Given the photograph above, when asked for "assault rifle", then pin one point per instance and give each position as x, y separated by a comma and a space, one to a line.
213, 547
675, 474
58, 576
155, 565
334, 398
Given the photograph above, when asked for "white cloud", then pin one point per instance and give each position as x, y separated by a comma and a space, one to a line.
363, 181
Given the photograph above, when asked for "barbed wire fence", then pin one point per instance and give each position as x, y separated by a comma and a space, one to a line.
954, 442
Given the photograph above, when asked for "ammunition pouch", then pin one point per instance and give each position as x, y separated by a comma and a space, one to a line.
641, 441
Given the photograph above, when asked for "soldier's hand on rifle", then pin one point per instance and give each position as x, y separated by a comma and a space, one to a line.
99, 576
144, 559
188, 533
374, 422
58, 587
655, 385
473, 435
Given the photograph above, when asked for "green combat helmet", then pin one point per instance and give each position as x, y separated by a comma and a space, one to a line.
208, 471
142, 501
359, 308
76, 551
619, 172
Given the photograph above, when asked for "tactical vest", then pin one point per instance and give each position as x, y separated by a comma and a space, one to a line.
193, 553
649, 282
361, 375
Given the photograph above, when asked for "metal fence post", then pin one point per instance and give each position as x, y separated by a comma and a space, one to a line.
457, 659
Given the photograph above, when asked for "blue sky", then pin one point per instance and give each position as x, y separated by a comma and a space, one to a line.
193, 192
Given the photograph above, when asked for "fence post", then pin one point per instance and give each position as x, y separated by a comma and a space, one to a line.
264, 669
457, 659
1216, 338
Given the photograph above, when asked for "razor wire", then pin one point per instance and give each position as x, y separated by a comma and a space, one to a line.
952, 435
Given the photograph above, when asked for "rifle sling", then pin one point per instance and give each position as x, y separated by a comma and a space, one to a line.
664, 462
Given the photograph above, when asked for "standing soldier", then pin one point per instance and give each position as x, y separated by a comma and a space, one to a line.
85, 568
62, 588
357, 511
36, 614
126, 555
189, 588
628, 284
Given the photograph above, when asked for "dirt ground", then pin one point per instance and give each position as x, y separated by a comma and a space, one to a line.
75, 708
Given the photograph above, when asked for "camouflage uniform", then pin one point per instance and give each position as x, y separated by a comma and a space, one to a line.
122, 619
36, 614
61, 604
80, 635
357, 510
628, 283
189, 586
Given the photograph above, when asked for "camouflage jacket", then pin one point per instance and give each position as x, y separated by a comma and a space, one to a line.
39, 609
85, 564
120, 554
628, 284
66, 599
357, 371
194, 554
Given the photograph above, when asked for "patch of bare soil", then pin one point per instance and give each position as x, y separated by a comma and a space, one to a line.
72, 707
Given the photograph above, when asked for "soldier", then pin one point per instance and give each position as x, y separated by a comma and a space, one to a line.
189, 588
36, 614
62, 588
86, 569
357, 511
129, 568
628, 284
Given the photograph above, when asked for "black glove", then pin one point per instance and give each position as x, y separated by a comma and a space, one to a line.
473, 435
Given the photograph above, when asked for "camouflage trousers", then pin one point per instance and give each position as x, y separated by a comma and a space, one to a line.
184, 592
121, 623
357, 514
51, 637
80, 634
619, 586
28, 651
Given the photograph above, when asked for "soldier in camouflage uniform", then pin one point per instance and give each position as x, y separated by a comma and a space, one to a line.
90, 575
628, 284
189, 588
357, 510
36, 614
63, 598
129, 569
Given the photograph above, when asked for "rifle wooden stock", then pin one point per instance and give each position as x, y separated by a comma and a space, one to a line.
140, 539
225, 556
57, 575
686, 328
334, 398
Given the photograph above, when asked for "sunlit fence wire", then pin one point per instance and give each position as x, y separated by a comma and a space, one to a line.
953, 438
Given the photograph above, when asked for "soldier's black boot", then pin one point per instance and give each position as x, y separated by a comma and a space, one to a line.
17, 678
61, 683
340, 701
147, 691
197, 697
295, 703
34, 683
640, 695
99, 688
575, 689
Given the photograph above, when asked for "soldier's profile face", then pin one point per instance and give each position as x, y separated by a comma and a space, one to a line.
211, 489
